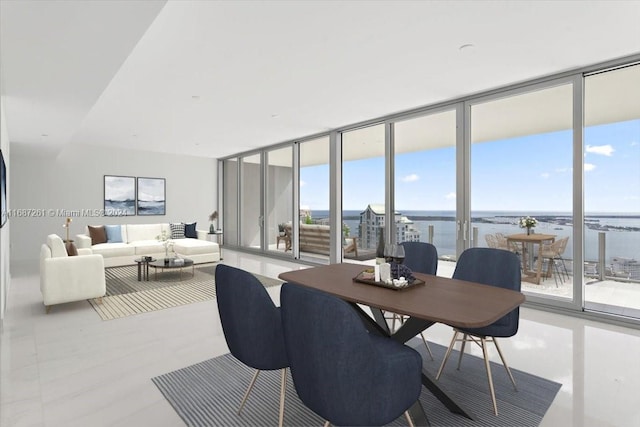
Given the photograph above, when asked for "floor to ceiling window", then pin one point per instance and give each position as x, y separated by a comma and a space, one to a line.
314, 193
279, 199
521, 166
425, 181
230, 201
363, 188
612, 191
251, 217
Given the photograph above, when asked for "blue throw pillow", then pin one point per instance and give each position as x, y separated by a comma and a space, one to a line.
190, 231
114, 233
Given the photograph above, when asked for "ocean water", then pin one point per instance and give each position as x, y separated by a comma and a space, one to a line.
151, 208
621, 231
118, 208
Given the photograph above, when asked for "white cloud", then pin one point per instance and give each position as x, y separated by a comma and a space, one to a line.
634, 143
302, 183
410, 178
545, 175
450, 196
589, 167
603, 150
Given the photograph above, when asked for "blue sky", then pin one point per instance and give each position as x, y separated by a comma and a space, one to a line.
531, 173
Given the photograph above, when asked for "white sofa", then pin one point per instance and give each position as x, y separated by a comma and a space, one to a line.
69, 278
142, 239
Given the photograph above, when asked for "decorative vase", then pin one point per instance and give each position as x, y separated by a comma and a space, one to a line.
528, 231
212, 230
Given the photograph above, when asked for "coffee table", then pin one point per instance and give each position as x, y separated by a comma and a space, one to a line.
170, 264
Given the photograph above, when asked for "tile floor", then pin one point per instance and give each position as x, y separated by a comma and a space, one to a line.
70, 368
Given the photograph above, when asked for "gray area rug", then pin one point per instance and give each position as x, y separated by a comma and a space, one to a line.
209, 393
127, 296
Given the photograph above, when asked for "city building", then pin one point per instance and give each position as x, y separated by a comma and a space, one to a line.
372, 220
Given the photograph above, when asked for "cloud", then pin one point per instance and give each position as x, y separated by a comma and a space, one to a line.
450, 196
545, 175
302, 183
603, 150
589, 167
634, 143
410, 178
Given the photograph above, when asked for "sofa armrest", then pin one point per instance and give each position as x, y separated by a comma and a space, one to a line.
66, 279
202, 234
85, 251
83, 241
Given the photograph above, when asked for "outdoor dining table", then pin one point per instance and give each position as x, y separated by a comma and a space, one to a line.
527, 241
440, 300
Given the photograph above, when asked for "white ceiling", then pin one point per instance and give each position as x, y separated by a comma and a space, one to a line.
207, 77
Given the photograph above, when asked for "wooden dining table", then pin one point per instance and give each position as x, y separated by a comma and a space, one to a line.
453, 302
527, 241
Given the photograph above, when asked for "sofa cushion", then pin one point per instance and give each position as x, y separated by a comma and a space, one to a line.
145, 247
188, 247
177, 230
114, 233
137, 232
190, 231
97, 234
113, 249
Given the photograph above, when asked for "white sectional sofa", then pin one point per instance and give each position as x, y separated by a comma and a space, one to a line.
142, 239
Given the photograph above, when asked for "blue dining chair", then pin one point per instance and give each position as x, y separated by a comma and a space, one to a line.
342, 372
252, 325
494, 267
420, 257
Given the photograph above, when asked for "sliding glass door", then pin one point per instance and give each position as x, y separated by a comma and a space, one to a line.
521, 164
279, 200
612, 191
251, 217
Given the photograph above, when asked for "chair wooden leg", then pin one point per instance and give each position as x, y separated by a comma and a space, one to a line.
47, 309
464, 343
504, 363
409, 420
283, 387
246, 394
426, 344
488, 367
446, 356
327, 424
99, 300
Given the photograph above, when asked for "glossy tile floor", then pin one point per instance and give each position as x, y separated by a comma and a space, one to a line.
70, 368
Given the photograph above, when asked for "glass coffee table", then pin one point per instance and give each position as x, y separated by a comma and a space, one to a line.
171, 264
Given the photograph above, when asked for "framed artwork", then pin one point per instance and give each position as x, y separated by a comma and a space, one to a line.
151, 196
119, 195
3, 190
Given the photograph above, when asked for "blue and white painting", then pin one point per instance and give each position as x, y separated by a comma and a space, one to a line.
151, 197
119, 195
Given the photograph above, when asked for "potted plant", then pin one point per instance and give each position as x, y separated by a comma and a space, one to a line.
528, 223
281, 229
212, 217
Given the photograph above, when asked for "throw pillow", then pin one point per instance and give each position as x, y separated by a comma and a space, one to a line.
190, 231
114, 233
97, 234
177, 231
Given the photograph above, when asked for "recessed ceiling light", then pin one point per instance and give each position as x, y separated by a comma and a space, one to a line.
134, 135
467, 46
195, 96
44, 134
197, 143
275, 116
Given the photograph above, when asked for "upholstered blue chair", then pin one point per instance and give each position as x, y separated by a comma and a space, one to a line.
342, 372
420, 257
494, 267
252, 325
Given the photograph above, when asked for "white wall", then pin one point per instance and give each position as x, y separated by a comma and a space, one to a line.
4, 231
74, 180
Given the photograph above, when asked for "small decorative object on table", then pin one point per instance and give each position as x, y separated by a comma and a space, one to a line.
387, 279
166, 242
212, 217
69, 245
528, 223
